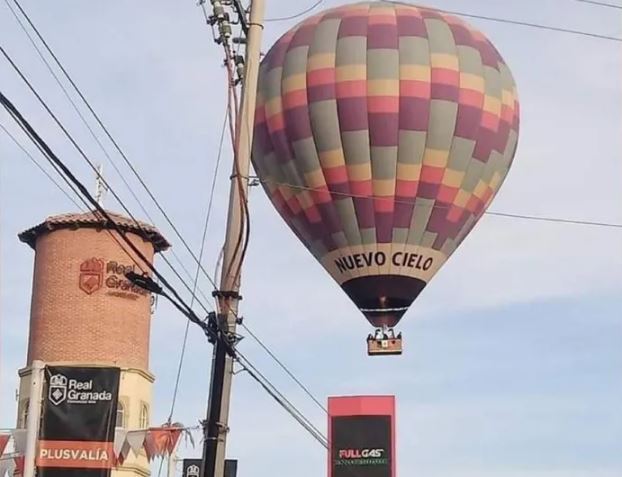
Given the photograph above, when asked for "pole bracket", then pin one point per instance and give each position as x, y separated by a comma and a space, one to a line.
226, 294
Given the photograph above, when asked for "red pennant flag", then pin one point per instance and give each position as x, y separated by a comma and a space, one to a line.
149, 446
174, 435
19, 465
159, 441
119, 460
4, 440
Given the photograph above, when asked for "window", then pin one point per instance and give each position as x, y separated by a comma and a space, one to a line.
120, 422
25, 405
144, 415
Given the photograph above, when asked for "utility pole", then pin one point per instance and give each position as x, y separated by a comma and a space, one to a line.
228, 297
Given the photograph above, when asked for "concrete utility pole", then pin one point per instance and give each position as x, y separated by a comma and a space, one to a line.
228, 295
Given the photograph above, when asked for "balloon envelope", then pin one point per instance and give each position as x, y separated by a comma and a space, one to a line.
382, 133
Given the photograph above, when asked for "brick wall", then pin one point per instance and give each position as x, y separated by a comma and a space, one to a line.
108, 326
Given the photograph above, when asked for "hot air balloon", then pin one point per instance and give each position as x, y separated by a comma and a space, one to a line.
382, 133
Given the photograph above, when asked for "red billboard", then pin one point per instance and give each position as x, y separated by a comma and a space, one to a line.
361, 436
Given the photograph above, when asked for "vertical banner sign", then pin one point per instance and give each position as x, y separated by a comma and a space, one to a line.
79, 416
361, 436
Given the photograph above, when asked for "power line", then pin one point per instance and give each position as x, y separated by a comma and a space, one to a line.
280, 363
175, 299
531, 25
198, 261
73, 188
94, 168
491, 19
50, 156
196, 277
179, 303
53, 158
243, 238
143, 184
441, 206
85, 122
297, 15
556, 220
90, 163
600, 4
41, 168
282, 400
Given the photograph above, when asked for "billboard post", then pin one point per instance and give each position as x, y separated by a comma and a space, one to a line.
361, 436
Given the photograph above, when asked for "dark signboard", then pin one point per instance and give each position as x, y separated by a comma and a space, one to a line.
78, 423
192, 468
361, 446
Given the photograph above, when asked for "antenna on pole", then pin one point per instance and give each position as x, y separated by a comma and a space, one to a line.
100, 185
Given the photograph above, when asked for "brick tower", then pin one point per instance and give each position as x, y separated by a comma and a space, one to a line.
85, 312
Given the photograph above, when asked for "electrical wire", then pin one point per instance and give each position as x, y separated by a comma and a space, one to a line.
53, 159
85, 122
175, 298
233, 105
94, 168
244, 215
179, 303
600, 4
281, 399
296, 15
528, 24
41, 168
73, 188
196, 277
488, 18
244, 225
280, 363
119, 150
441, 206
40, 143
491, 213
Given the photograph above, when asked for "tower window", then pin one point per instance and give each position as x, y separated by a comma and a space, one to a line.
120, 421
25, 406
144, 415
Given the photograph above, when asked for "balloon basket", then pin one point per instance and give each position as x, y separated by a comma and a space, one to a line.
384, 342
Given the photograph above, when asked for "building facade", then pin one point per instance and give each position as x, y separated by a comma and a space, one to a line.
85, 312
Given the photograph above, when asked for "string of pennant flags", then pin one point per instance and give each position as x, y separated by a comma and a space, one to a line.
154, 441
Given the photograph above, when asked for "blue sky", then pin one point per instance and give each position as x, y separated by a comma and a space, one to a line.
512, 362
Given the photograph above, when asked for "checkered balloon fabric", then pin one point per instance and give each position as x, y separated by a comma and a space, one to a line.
382, 133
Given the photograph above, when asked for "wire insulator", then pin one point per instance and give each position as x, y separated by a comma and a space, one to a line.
225, 30
219, 12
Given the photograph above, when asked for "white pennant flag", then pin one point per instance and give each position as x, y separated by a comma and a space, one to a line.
11, 468
19, 441
4, 465
136, 439
119, 440
7, 466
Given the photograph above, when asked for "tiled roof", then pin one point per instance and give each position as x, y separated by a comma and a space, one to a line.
97, 221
